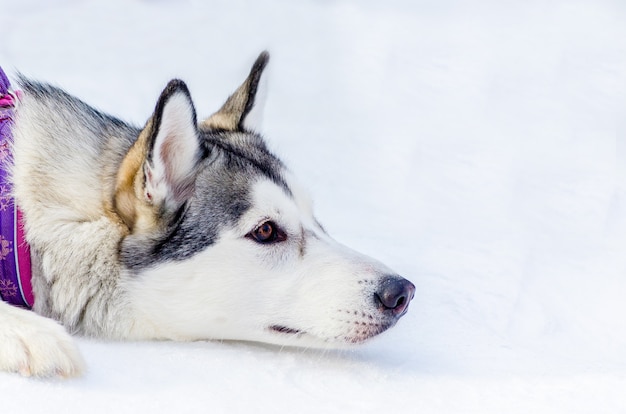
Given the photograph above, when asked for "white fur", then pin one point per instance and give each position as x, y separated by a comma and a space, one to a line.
34, 345
253, 287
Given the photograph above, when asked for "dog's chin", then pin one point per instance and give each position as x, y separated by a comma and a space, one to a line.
289, 336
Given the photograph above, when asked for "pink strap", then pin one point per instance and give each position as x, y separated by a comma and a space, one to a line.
15, 264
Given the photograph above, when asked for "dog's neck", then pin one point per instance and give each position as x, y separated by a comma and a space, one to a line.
15, 265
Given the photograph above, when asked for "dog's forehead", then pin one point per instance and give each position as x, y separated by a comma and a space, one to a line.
244, 152
268, 195
291, 207
244, 171
236, 165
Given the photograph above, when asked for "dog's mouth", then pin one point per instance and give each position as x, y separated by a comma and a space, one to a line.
361, 333
285, 330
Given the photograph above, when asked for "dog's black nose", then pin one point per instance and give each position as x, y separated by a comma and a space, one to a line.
394, 295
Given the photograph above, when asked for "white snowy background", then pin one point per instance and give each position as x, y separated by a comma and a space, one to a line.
478, 148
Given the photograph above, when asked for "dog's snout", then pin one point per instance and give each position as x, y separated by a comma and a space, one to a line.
394, 295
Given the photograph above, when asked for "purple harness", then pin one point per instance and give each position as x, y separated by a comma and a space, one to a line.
15, 266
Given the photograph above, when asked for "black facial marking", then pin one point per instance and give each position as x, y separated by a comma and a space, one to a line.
221, 196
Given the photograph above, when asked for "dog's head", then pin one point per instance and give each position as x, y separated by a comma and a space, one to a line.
223, 243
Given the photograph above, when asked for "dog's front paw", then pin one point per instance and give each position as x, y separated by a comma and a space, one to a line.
36, 346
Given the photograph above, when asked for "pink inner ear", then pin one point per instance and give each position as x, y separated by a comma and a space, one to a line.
175, 152
168, 155
178, 170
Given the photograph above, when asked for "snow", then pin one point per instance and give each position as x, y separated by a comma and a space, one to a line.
479, 148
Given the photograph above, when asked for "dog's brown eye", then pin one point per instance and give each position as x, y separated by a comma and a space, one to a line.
267, 232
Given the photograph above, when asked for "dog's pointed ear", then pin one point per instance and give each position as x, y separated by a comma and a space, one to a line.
173, 148
242, 111
158, 174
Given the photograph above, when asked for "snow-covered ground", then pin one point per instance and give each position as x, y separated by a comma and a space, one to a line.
479, 148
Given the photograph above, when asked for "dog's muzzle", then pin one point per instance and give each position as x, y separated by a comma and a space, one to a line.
393, 296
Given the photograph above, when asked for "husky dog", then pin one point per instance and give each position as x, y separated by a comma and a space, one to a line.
182, 230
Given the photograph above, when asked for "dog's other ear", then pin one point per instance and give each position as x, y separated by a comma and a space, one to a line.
158, 174
242, 111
